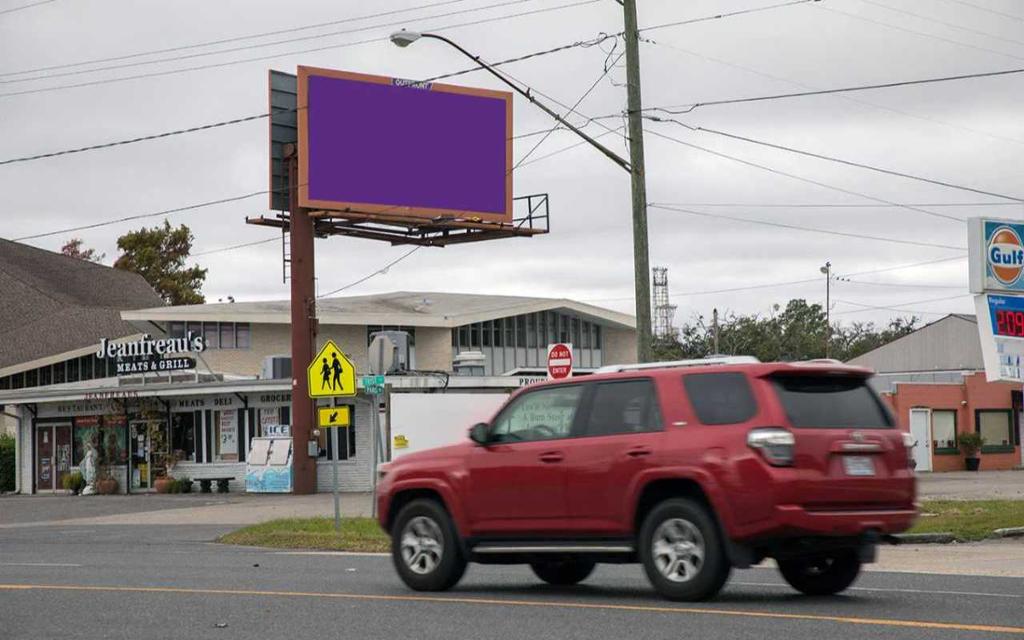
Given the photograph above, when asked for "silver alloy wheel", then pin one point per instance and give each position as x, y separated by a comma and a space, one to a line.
678, 550
422, 545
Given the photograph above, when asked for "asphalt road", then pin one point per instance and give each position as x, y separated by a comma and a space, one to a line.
172, 582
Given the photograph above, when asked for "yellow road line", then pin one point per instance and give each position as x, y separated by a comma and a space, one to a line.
881, 622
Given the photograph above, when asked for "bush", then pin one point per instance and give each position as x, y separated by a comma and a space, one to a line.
74, 482
7, 469
970, 443
175, 486
185, 484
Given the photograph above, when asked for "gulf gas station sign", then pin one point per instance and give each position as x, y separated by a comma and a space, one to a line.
997, 278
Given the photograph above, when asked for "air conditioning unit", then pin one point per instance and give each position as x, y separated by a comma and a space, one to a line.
276, 368
469, 363
390, 352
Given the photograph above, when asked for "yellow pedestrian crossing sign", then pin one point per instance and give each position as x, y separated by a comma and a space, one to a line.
334, 417
331, 373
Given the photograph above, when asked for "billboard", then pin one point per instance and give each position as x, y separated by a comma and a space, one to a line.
379, 145
996, 255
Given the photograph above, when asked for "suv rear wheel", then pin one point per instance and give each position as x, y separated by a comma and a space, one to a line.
563, 572
821, 575
682, 551
425, 548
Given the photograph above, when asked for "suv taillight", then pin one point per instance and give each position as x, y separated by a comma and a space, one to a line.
775, 445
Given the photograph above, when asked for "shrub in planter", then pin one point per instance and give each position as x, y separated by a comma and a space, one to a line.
73, 482
107, 486
163, 484
7, 470
185, 484
970, 444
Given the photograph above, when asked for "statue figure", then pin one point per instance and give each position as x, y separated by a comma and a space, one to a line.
88, 468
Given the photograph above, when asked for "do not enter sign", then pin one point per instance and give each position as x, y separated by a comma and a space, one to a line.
559, 360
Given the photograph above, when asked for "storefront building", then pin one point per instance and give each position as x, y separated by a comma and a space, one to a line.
934, 381
190, 389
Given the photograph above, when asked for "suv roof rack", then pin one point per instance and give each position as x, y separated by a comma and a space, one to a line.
701, 362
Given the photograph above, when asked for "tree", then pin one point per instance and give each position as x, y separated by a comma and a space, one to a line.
73, 249
159, 256
796, 332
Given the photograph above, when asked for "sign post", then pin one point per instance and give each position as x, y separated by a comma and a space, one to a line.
331, 375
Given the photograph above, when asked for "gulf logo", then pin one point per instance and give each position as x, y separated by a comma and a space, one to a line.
1006, 255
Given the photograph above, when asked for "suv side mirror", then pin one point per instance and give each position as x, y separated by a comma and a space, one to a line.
478, 433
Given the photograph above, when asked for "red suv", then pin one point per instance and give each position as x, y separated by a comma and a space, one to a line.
689, 468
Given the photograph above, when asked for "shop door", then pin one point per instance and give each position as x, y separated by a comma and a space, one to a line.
920, 431
141, 464
44, 459
53, 456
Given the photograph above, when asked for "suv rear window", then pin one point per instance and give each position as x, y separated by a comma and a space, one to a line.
831, 403
720, 398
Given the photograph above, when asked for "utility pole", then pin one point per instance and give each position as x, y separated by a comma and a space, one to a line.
714, 325
641, 266
827, 270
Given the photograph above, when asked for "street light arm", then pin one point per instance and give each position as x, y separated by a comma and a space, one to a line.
526, 94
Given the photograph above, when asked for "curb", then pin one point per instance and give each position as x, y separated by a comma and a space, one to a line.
1009, 532
929, 538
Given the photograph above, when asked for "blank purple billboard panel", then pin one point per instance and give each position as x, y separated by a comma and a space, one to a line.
369, 144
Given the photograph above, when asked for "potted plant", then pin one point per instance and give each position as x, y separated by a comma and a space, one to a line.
106, 484
185, 484
970, 444
73, 482
166, 482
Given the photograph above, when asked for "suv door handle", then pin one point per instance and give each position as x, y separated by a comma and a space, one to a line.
551, 456
639, 452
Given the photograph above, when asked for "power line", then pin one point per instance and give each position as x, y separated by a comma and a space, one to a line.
285, 54
801, 178
725, 15
903, 285
943, 23
383, 269
794, 227
156, 136
907, 266
25, 6
868, 307
584, 43
838, 205
141, 216
210, 43
987, 10
234, 246
813, 89
261, 45
919, 33
819, 156
821, 92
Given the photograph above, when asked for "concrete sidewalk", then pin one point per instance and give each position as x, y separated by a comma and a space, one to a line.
970, 485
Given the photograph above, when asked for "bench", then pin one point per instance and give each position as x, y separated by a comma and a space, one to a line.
222, 484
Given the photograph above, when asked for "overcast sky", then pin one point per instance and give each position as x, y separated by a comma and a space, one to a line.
968, 132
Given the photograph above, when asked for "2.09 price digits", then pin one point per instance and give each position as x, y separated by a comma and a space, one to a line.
1010, 323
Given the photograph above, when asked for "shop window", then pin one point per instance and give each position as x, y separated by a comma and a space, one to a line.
531, 331
944, 431
5, 382
176, 330
994, 427
225, 435
463, 336
85, 368
585, 343
576, 331
243, 335
326, 443
18, 381
510, 332
59, 373
488, 332
227, 335
45, 376
183, 435
563, 333
521, 331
113, 440
552, 336
85, 434
499, 333
474, 335
72, 370
32, 378
211, 335
597, 336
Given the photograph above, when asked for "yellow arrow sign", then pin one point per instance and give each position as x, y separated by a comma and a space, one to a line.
334, 417
331, 373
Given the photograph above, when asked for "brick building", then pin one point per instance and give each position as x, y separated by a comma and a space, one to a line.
934, 381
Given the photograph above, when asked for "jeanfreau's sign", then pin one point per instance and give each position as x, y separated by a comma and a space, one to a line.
148, 355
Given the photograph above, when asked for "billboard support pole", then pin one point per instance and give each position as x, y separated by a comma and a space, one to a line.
303, 325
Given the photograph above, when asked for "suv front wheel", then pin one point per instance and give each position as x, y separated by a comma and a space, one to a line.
682, 551
425, 547
821, 575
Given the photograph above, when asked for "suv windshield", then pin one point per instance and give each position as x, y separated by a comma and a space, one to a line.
831, 402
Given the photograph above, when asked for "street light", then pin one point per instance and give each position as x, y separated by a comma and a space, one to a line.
827, 271
635, 166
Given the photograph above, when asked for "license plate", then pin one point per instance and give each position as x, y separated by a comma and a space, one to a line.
858, 466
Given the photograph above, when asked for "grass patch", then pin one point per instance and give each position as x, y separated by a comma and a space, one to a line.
969, 519
357, 534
